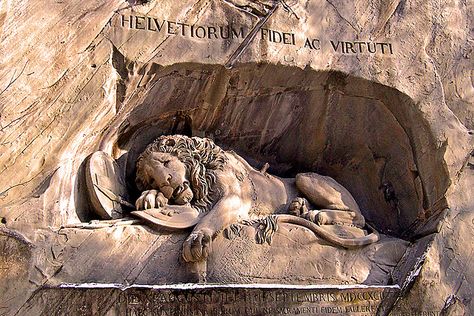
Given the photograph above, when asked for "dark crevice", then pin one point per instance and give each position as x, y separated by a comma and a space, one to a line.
182, 124
120, 63
44, 185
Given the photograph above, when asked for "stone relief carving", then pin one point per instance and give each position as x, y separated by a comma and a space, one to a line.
403, 146
191, 182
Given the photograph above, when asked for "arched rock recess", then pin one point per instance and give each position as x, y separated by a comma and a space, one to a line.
360, 132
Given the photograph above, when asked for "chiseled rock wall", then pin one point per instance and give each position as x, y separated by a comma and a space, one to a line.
306, 93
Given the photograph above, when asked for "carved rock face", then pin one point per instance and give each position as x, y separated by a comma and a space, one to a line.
92, 77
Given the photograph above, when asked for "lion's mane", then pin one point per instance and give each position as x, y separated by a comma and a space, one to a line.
201, 156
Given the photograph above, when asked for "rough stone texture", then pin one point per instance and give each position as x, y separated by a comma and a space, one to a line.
72, 83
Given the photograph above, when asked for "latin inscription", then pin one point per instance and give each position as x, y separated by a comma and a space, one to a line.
181, 29
233, 32
255, 302
361, 47
251, 297
211, 300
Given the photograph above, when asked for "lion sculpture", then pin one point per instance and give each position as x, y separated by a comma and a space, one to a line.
178, 174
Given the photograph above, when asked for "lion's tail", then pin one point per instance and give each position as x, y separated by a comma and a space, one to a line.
348, 243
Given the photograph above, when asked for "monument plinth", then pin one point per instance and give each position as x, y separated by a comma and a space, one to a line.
186, 299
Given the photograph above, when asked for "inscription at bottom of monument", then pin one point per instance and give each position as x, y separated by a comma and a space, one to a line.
216, 300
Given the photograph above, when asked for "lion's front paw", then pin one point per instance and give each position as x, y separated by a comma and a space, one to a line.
151, 199
298, 206
197, 246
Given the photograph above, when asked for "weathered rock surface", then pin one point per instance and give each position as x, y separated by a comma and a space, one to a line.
78, 77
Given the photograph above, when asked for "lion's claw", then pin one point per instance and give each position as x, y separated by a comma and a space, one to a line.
151, 199
197, 246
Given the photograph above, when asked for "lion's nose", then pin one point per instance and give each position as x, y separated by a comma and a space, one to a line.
165, 180
167, 191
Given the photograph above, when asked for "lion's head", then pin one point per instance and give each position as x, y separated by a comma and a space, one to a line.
200, 157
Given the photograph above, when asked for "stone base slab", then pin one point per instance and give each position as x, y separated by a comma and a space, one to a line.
209, 300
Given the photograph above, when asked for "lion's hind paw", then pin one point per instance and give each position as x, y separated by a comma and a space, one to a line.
197, 246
